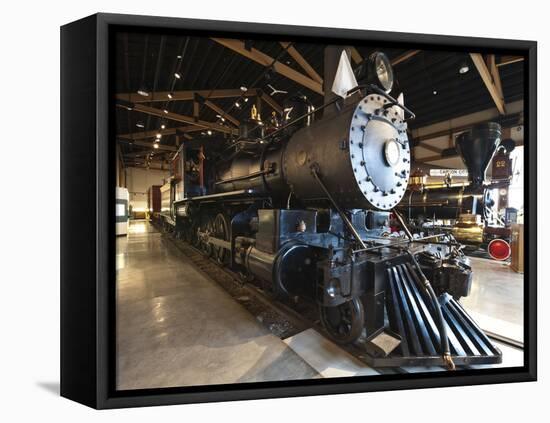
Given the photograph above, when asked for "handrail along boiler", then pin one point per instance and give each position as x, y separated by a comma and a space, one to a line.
303, 205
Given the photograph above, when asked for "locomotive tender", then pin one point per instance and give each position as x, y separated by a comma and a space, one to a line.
303, 208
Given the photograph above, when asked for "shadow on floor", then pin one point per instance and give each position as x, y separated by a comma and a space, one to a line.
51, 387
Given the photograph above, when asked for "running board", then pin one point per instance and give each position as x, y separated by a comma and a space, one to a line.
412, 321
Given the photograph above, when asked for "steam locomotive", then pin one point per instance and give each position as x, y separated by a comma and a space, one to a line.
302, 207
468, 207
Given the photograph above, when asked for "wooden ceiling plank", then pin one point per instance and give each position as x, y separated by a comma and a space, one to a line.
489, 82
295, 54
266, 60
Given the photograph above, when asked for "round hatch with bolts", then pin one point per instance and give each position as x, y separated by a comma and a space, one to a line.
379, 151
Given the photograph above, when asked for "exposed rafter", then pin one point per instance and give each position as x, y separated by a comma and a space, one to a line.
152, 134
217, 109
356, 56
404, 57
150, 145
266, 60
295, 54
180, 118
489, 78
272, 103
434, 158
184, 95
429, 147
492, 66
508, 60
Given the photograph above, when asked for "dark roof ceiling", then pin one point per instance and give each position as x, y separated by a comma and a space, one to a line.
151, 60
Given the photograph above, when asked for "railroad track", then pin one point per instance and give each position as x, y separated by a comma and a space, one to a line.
286, 319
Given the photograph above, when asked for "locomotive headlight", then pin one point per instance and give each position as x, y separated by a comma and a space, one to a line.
382, 70
333, 287
392, 152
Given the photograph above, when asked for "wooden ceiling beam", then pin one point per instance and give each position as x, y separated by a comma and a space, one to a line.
221, 112
272, 103
147, 134
492, 66
404, 57
188, 95
267, 61
508, 60
434, 158
163, 166
150, 145
152, 134
429, 147
153, 111
356, 56
489, 81
295, 54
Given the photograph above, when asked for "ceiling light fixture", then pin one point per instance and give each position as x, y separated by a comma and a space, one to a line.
163, 126
434, 92
237, 105
155, 145
177, 75
140, 124
246, 99
170, 96
159, 135
143, 91
165, 111
244, 89
209, 132
464, 68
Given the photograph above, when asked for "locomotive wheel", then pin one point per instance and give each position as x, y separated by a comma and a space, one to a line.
220, 229
207, 227
344, 323
195, 240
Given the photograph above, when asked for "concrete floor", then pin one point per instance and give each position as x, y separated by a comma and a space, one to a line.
176, 327
496, 299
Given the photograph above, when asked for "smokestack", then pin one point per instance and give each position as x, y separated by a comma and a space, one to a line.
477, 147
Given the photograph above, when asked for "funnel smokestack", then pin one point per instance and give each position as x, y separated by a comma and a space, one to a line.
477, 147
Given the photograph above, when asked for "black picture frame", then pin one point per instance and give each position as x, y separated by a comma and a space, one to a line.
87, 223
